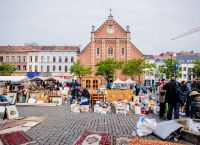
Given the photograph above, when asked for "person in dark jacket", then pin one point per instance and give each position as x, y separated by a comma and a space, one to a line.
75, 84
193, 86
172, 98
137, 89
85, 93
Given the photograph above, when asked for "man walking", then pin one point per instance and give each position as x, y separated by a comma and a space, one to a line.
173, 90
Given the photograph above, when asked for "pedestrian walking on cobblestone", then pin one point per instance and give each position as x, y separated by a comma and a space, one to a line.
172, 98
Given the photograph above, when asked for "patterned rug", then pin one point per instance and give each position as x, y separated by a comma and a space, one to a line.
15, 138
10, 124
92, 138
150, 142
120, 140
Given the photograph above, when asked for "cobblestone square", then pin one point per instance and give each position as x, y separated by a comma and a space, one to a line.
63, 126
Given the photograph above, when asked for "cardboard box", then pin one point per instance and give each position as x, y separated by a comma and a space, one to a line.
97, 109
137, 109
84, 108
75, 108
105, 110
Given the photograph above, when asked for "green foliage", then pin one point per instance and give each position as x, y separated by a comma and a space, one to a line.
6, 69
196, 69
160, 71
107, 68
80, 70
168, 68
136, 67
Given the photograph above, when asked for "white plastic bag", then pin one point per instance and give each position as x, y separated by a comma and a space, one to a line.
192, 125
145, 126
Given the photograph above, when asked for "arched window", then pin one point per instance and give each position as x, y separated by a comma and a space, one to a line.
98, 51
72, 59
66, 59
122, 51
110, 51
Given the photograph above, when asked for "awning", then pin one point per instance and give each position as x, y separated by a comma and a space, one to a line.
118, 81
55, 79
13, 78
38, 78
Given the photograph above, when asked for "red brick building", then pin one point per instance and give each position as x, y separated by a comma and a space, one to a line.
109, 40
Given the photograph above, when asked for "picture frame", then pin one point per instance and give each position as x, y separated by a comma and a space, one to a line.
2, 112
12, 112
57, 100
11, 98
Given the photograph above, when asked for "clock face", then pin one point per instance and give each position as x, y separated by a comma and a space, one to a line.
110, 29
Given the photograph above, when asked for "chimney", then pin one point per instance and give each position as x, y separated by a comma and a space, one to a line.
128, 28
93, 28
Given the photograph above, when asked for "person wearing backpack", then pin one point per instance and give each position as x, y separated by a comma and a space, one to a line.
173, 90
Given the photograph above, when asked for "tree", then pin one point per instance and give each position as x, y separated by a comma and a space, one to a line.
196, 68
168, 68
80, 70
6, 69
136, 67
107, 68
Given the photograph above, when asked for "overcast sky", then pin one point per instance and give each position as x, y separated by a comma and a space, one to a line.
58, 22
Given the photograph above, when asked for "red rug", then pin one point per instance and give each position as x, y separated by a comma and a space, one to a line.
15, 138
11, 123
92, 138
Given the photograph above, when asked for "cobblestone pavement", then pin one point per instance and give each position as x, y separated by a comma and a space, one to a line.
63, 126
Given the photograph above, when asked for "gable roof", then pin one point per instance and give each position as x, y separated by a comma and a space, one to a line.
110, 19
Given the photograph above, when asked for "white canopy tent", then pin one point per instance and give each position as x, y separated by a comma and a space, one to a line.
118, 81
55, 79
38, 78
130, 81
13, 78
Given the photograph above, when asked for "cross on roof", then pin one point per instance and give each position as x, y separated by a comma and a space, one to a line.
110, 12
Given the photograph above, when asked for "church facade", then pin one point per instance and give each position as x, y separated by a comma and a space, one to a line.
110, 40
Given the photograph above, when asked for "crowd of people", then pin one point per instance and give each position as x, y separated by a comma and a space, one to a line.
180, 98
